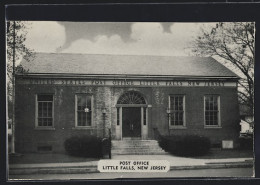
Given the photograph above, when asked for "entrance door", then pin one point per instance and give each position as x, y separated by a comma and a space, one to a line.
131, 118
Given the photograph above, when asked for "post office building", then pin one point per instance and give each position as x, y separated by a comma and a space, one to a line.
59, 95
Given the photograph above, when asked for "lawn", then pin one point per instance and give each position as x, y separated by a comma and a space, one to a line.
227, 153
33, 158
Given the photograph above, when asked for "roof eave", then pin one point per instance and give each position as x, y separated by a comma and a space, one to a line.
131, 76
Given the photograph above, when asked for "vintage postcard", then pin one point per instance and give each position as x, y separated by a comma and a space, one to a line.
106, 100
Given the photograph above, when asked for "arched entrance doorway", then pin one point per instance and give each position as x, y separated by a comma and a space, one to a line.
132, 110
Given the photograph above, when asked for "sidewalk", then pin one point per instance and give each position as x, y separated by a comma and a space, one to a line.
176, 163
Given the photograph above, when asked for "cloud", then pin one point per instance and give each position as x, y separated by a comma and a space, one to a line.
146, 39
45, 36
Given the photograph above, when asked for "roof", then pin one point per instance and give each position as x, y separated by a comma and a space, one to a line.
102, 64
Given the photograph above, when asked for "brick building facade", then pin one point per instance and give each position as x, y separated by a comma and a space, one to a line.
62, 95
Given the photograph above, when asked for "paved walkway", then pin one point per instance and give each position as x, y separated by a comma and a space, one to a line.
174, 161
180, 161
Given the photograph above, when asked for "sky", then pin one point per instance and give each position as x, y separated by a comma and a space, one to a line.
131, 38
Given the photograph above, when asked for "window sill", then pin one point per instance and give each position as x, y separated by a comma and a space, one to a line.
178, 127
212, 127
42, 128
82, 128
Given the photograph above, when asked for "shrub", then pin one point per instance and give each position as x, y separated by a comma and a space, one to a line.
84, 146
190, 145
246, 143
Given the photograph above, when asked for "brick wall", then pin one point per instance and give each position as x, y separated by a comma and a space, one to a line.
28, 138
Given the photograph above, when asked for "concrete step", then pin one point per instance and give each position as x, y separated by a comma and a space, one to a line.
136, 147
139, 146
134, 141
135, 151
138, 153
140, 150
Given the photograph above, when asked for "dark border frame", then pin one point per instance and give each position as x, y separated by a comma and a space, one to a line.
165, 11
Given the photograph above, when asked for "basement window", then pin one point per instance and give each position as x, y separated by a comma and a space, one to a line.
44, 148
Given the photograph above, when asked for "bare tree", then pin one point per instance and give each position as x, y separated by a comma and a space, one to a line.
15, 48
234, 43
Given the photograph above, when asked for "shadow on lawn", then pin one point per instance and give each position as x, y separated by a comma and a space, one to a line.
33, 158
227, 153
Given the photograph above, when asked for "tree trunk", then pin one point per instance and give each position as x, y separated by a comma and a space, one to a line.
13, 82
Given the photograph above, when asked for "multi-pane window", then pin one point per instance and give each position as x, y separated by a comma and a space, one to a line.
211, 110
44, 110
83, 110
177, 110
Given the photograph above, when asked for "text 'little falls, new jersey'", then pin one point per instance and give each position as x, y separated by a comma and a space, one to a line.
133, 166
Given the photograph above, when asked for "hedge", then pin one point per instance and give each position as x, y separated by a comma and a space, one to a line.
84, 146
189, 145
246, 143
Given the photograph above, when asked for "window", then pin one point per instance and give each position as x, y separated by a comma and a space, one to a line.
177, 107
144, 116
131, 97
117, 116
44, 148
44, 110
83, 110
212, 110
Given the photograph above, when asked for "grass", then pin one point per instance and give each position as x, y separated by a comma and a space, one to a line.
227, 153
33, 158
